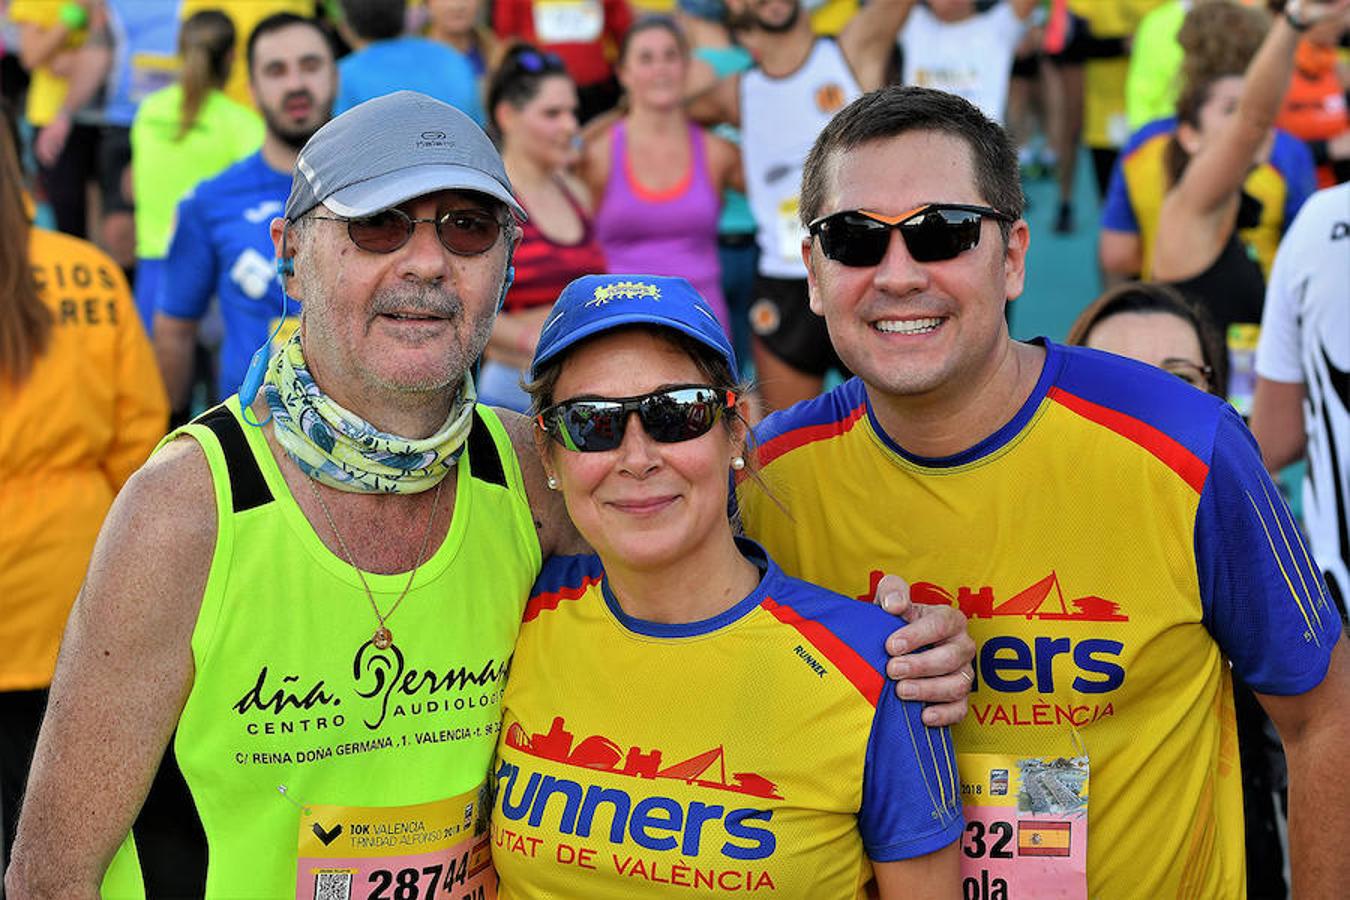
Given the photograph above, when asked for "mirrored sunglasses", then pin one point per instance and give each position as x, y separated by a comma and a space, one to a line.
667, 416
932, 233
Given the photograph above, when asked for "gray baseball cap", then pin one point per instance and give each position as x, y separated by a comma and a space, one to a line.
391, 149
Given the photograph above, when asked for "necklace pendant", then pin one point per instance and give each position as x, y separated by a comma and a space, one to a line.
383, 638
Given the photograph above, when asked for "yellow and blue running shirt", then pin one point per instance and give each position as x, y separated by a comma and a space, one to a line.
1111, 545
758, 750
1139, 183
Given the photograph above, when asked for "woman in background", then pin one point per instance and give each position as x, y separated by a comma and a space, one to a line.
532, 105
657, 177
458, 24
1224, 128
181, 135
81, 407
1155, 324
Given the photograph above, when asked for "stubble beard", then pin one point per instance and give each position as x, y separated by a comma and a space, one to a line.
293, 137
472, 336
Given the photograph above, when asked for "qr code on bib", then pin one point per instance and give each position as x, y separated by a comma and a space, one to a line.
333, 885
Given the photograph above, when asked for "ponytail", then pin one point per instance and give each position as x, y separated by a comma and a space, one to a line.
206, 44
25, 321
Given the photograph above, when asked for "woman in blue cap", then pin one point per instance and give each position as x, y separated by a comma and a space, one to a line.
681, 712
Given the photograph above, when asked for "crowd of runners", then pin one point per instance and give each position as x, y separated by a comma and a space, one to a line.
443, 447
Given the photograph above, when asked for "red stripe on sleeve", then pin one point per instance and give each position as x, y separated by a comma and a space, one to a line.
807, 434
866, 679
1192, 470
548, 602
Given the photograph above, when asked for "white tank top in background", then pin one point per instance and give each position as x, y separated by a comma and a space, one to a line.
780, 119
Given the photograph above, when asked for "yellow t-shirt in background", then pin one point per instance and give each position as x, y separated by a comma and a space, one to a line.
71, 434
46, 91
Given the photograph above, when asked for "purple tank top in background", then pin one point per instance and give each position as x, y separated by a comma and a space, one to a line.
670, 232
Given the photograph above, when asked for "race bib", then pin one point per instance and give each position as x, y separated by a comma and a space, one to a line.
1026, 827
790, 231
568, 21
431, 851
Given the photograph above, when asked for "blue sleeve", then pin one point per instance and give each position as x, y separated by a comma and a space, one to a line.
911, 802
1117, 212
470, 103
189, 277
1295, 162
344, 100
1264, 600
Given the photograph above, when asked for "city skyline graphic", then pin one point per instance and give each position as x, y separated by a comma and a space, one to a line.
1030, 602
602, 754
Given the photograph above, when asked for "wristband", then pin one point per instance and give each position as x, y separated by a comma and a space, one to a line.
1291, 11
73, 16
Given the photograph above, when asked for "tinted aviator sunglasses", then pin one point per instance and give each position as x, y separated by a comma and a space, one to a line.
464, 232
668, 416
932, 232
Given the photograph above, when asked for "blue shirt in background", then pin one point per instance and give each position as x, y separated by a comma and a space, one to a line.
408, 63
221, 246
145, 56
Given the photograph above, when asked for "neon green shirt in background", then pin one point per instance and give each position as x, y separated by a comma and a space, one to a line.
164, 168
1155, 64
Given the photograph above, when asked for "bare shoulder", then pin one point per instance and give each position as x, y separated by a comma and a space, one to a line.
718, 147
557, 535
580, 191
595, 136
173, 490
154, 550
722, 153
594, 165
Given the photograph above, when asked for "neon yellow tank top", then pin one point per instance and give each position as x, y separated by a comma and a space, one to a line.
308, 762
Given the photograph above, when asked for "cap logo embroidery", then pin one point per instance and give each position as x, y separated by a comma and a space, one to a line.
631, 290
433, 139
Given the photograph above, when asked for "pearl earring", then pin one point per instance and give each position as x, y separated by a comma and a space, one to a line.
738, 463
552, 483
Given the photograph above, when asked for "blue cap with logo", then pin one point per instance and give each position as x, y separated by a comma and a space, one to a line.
594, 304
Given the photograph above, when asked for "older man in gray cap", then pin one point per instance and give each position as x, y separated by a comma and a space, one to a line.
297, 623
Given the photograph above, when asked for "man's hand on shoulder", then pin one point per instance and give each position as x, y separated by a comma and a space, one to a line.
930, 655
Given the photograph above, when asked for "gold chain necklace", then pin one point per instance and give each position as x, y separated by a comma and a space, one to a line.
383, 638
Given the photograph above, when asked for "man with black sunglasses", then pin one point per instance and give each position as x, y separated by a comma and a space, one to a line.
1108, 530
297, 624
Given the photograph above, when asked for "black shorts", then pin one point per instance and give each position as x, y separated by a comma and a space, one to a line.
114, 156
1028, 66
1077, 46
781, 317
